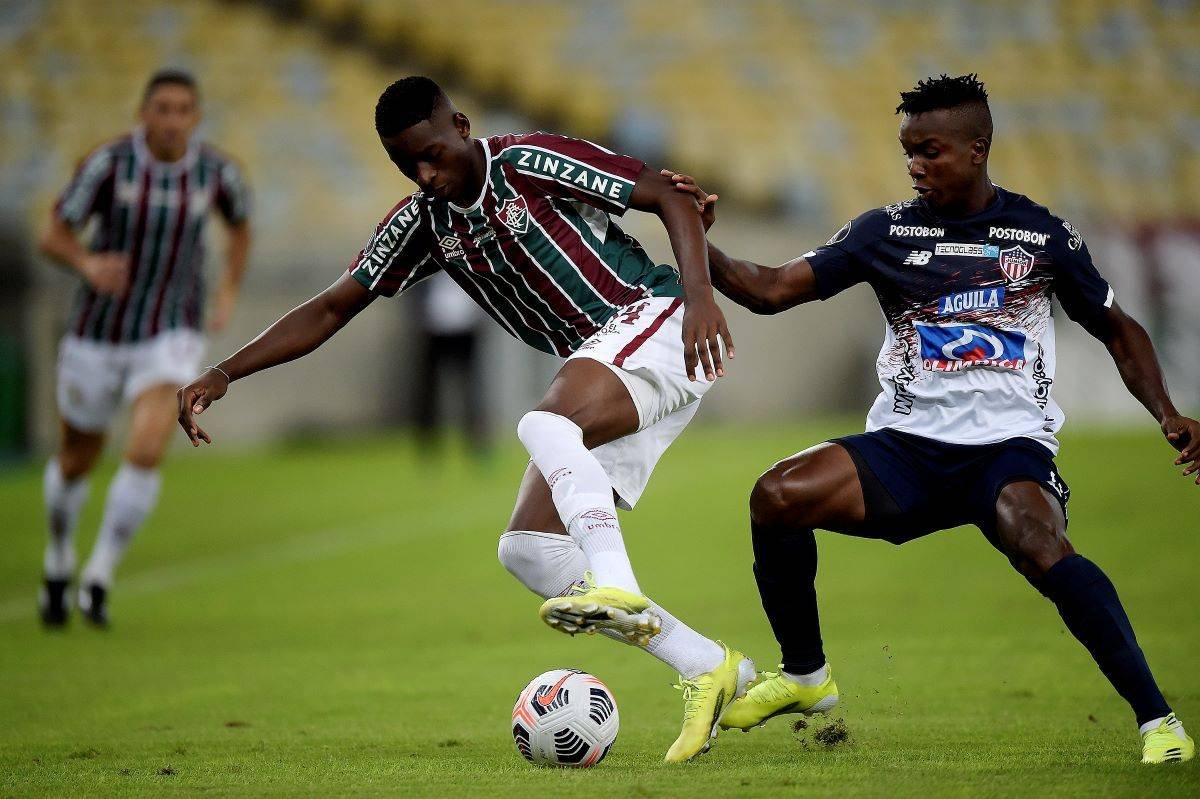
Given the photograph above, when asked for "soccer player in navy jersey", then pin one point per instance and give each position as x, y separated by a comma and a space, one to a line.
524, 225
963, 431
136, 324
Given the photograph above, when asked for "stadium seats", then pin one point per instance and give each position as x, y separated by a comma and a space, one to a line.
790, 103
778, 105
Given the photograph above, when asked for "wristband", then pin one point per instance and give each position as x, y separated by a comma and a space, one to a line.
228, 379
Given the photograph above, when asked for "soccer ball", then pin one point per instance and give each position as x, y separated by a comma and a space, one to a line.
565, 717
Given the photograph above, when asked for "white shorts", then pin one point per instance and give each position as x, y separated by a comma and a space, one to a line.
96, 377
643, 346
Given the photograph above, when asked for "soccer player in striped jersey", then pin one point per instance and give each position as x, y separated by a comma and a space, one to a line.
135, 330
524, 224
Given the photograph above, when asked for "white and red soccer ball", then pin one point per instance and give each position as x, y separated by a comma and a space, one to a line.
565, 717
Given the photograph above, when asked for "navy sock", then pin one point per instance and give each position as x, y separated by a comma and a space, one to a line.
785, 566
1092, 611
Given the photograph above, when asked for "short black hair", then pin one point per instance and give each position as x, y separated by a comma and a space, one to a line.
407, 102
964, 92
170, 77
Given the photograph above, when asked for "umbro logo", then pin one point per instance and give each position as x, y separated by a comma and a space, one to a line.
918, 258
451, 246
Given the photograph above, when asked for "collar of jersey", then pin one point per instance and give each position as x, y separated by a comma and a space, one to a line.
487, 180
992, 209
142, 150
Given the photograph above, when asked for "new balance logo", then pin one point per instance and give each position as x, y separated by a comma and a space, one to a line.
918, 258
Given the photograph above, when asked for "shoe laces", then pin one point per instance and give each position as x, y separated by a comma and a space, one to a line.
694, 692
771, 687
582, 586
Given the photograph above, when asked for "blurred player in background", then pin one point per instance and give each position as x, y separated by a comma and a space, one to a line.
450, 351
964, 430
524, 225
135, 328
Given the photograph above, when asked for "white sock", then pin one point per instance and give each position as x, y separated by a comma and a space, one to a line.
1151, 725
64, 499
131, 497
582, 494
549, 564
811, 679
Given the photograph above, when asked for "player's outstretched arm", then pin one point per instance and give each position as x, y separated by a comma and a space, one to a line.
1136, 360
704, 324
762, 289
298, 333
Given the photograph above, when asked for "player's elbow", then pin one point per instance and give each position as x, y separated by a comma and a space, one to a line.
770, 305
46, 241
776, 298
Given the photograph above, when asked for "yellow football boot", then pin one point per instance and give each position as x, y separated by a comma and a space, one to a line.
705, 700
774, 694
1167, 743
588, 608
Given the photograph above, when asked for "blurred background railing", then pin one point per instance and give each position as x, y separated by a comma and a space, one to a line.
785, 108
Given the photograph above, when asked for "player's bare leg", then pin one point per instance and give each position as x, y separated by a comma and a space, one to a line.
1030, 529
65, 489
817, 488
132, 494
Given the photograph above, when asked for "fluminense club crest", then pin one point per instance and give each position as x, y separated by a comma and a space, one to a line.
1015, 263
514, 214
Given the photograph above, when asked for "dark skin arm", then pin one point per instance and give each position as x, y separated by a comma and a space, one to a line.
703, 322
762, 289
298, 333
1133, 353
765, 290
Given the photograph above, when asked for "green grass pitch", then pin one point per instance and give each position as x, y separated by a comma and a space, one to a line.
331, 620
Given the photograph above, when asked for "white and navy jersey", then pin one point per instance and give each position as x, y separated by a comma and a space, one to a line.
153, 212
968, 352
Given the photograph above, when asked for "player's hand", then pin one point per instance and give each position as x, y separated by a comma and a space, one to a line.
108, 272
226, 300
206, 389
706, 203
1184, 435
703, 328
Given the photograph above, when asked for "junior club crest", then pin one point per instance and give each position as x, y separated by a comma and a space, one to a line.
514, 214
1015, 263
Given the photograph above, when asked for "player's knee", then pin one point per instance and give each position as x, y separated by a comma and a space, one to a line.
144, 457
1033, 543
773, 502
536, 427
77, 461
515, 553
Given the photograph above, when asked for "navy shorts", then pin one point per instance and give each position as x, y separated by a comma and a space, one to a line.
915, 486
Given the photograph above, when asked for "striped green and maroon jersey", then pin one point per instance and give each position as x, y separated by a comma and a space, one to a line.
538, 250
154, 212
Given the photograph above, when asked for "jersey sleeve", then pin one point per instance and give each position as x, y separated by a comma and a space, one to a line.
840, 263
398, 255
90, 189
233, 194
1080, 289
574, 169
